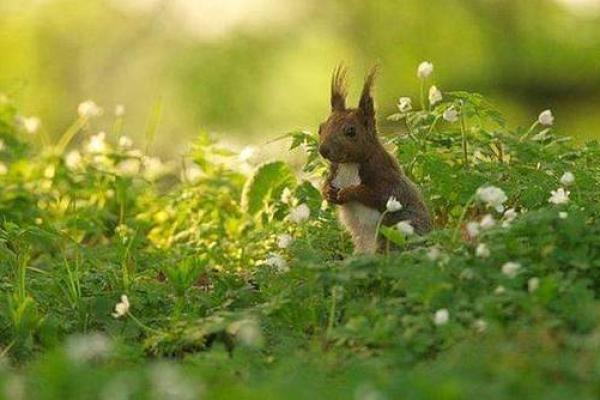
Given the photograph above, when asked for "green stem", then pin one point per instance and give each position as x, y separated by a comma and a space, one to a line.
141, 324
331, 313
423, 94
66, 138
463, 131
462, 218
533, 126
379, 225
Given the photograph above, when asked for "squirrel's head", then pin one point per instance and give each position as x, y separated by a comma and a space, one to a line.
349, 135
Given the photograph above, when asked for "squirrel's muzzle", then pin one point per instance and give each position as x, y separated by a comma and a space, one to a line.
325, 151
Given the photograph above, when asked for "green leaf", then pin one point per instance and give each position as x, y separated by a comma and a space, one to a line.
393, 235
267, 183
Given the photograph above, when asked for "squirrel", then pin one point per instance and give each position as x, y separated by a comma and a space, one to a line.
362, 174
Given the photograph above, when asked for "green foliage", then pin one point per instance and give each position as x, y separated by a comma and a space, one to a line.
242, 285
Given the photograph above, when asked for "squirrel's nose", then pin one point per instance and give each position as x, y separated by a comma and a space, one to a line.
324, 150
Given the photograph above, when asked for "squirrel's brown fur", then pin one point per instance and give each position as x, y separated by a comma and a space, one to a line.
363, 175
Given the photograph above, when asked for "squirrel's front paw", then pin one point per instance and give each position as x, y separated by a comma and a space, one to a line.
330, 194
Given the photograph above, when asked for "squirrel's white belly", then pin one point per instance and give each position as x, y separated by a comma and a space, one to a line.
360, 220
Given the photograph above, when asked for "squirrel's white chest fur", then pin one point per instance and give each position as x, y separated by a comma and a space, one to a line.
360, 220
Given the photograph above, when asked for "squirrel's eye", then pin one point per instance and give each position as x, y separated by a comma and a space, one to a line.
350, 131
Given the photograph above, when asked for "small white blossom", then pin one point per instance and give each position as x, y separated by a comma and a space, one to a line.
129, 167
31, 124
472, 229
193, 173
125, 142
284, 240
168, 382
511, 269
533, 284
563, 215
424, 70
393, 205
89, 109
73, 160
567, 179
119, 110
278, 262
482, 250
121, 308
434, 253
441, 317
480, 325
508, 217
404, 104
500, 290
3, 168
153, 168
286, 196
405, 227
487, 222
247, 153
546, 118
450, 115
82, 348
247, 331
559, 196
492, 196
97, 143
299, 214
435, 96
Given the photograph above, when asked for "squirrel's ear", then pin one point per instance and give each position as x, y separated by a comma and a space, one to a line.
366, 104
338, 88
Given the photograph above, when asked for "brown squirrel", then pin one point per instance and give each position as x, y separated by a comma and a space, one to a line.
363, 175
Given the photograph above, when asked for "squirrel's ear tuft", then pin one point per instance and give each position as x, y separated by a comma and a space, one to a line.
338, 89
366, 104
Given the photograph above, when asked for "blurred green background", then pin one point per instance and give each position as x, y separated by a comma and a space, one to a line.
250, 70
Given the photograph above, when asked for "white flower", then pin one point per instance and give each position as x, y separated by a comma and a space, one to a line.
73, 159
405, 227
546, 118
284, 240
441, 317
393, 205
125, 142
97, 143
122, 307
3, 168
31, 124
499, 290
472, 229
492, 196
153, 168
129, 167
286, 196
299, 214
509, 216
487, 222
404, 104
480, 325
563, 215
567, 179
119, 110
435, 96
511, 269
278, 262
193, 173
81, 348
424, 70
559, 196
247, 153
450, 115
482, 250
533, 284
247, 331
89, 109
168, 382
433, 253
